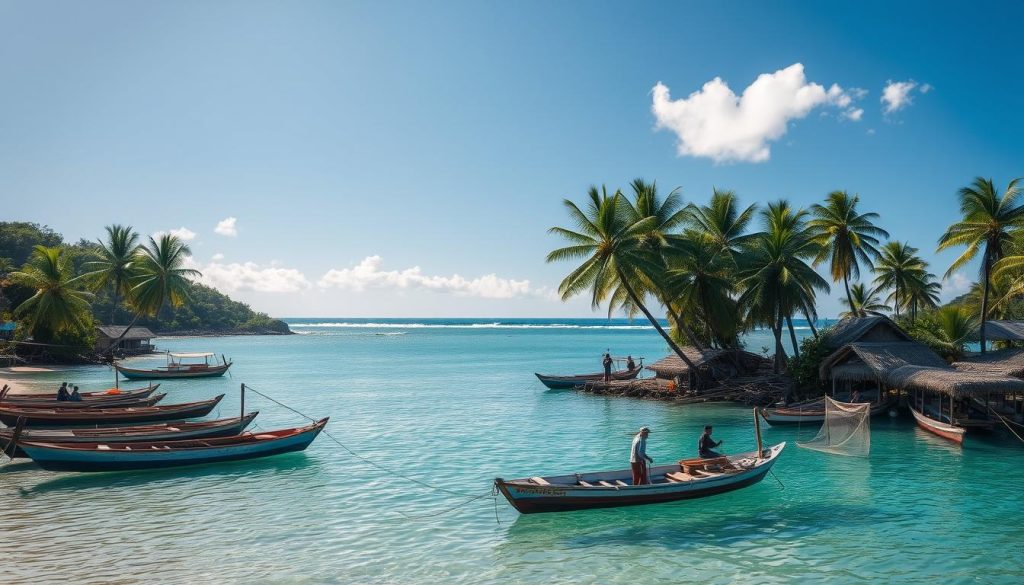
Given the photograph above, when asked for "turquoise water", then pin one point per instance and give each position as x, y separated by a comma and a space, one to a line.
455, 404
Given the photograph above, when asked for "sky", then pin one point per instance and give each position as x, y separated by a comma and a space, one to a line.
404, 159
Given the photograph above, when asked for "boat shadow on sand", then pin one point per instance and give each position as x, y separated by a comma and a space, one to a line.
253, 469
682, 529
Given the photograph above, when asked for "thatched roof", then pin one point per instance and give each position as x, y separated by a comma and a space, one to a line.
1005, 362
875, 328
871, 361
1004, 330
951, 381
672, 365
113, 331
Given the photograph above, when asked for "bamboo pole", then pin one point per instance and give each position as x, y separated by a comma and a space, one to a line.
757, 431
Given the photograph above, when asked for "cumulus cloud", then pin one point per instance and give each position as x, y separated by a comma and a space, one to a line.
250, 276
183, 233
899, 94
715, 123
854, 114
957, 284
368, 275
226, 227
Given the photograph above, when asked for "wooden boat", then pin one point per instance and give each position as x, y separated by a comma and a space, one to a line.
91, 404
117, 456
174, 431
568, 382
9, 415
105, 396
177, 368
942, 429
811, 413
687, 479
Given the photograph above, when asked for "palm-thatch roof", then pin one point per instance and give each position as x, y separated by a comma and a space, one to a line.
1004, 330
873, 360
1005, 362
114, 331
874, 328
951, 381
672, 365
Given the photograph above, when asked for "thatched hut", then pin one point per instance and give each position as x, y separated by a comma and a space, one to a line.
137, 340
999, 330
872, 329
716, 364
871, 361
1006, 362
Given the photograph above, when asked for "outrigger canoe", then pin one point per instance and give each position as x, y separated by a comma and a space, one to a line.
567, 382
9, 415
177, 368
174, 431
117, 456
695, 478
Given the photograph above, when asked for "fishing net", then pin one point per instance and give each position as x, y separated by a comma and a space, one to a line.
846, 430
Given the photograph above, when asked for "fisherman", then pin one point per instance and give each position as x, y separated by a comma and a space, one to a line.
75, 396
630, 364
607, 367
706, 445
638, 458
855, 397
62, 393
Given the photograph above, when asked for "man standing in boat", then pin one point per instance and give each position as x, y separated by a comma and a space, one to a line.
638, 458
607, 367
706, 446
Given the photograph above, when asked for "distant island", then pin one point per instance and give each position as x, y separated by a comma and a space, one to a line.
77, 277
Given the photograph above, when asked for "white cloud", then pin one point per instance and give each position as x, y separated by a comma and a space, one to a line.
249, 276
217, 257
897, 95
957, 284
226, 227
871, 130
368, 275
716, 123
854, 114
183, 233
926, 87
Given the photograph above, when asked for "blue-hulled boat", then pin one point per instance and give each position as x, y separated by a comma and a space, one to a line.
9, 415
115, 456
177, 367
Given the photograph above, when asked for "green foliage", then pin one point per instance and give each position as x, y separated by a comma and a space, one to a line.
804, 368
19, 238
59, 304
946, 330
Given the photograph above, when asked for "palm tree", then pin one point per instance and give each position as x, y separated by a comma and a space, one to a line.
614, 257
59, 303
897, 265
6, 268
922, 292
989, 222
158, 278
865, 302
949, 329
113, 268
847, 238
774, 273
721, 222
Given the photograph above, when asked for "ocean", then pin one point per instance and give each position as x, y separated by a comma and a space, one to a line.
453, 403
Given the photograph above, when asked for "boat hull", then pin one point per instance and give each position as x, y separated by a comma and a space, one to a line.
570, 382
532, 499
164, 374
85, 404
87, 397
134, 434
944, 430
57, 457
787, 416
106, 416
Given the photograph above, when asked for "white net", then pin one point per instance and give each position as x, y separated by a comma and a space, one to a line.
846, 430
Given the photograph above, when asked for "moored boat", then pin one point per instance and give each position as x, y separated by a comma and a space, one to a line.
942, 429
177, 367
567, 382
812, 412
111, 395
91, 404
174, 431
9, 415
117, 456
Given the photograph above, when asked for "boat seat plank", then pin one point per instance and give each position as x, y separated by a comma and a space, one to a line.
620, 482
539, 481
678, 476
585, 484
606, 484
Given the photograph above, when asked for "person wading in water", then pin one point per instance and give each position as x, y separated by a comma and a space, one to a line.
638, 458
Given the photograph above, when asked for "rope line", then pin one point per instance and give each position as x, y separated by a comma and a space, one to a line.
772, 472
364, 459
1003, 420
446, 510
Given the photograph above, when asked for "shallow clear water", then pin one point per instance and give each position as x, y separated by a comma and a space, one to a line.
457, 406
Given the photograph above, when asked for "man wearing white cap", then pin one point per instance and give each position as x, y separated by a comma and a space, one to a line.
638, 458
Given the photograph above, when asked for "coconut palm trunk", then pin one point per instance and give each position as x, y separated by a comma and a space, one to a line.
638, 303
779, 351
984, 301
792, 336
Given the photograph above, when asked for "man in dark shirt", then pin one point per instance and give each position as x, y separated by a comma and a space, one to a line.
706, 445
62, 393
607, 367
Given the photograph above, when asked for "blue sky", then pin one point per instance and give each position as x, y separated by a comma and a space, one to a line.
406, 158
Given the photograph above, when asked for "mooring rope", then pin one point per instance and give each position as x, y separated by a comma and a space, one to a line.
364, 459
1002, 419
772, 472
